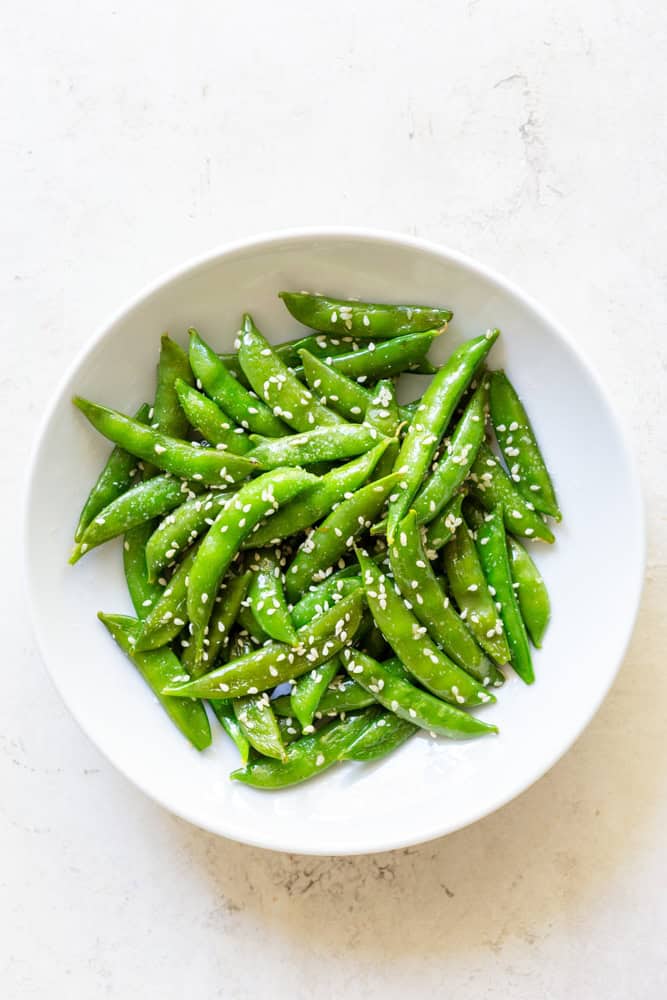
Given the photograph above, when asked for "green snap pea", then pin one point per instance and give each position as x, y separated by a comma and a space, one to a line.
114, 479
492, 550
207, 417
336, 534
174, 366
431, 420
226, 535
492, 487
275, 662
455, 464
411, 703
320, 445
275, 383
248, 411
178, 457
363, 319
316, 501
267, 597
344, 695
259, 726
226, 609
224, 712
144, 593
158, 668
519, 446
325, 595
288, 351
309, 688
469, 588
387, 358
418, 584
307, 756
384, 414
168, 615
250, 627
343, 393
290, 730
531, 592
421, 656
442, 527
137, 505
181, 528
387, 733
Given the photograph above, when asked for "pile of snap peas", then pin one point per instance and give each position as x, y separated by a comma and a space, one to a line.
326, 569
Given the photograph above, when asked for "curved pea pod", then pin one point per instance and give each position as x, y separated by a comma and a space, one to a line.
363, 319
233, 398
492, 549
531, 592
158, 668
144, 593
181, 528
309, 755
491, 486
325, 595
343, 695
224, 712
418, 584
259, 726
309, 688
168, 615
335, 535
455, 464
419, 707
387, 358
114, 479
276, 384
469, 588
385, 734
320, 445
431, 420
346, 395
317, 500
140, 503
225, 537
519, 446
178, 457
226, 610
275, 662
288, 351
267, 599
416, 651
441, 529
207, 417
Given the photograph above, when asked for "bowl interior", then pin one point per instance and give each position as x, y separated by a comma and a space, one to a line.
429, 787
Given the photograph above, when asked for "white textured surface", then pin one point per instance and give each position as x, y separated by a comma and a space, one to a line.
526, 134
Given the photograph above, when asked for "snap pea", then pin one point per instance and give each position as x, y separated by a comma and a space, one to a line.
387, 358
491, 545
259, 726
229, 394
309, 688
224, 538
224, 712
469, 588
267, 597
144, 593
363, 319
181, 528
492, 487
453, 467
275, 662
114, 479
173, 367
290, 729
384, 414
158, 668
168, 615
275, 383
342, 392
226, 610
288, 351
519, 446
411, 703
325, 595
442, 527
322, 444
178, 457
384, 735
431, 420
317, 500
207, 417
334, 536
531, 591
419, 585
250, 627
404, 634
137, 505
344, 695
307, 756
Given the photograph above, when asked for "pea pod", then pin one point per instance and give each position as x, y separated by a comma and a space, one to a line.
158, 668
419, 585
363, 319
226, 609
168, 615
384, 735
383, 413
178, 457
144, 593
492, 550
519, 446
248, 411
225, 537
345, 695
404, 634
411, 703
309, 688
468, 586
290, 730
309, 755
207, 417
345, 394
250, 628
431, 420
491, 486
325, 595
166, 414
267, 596
387, 358
531, 591
275, 662
181, 528
224, 712
441, 528
320, 445
275, 383
334, 536
288, 351
259, 726
455, 464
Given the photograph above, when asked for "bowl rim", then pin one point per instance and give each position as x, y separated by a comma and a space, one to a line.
361, 234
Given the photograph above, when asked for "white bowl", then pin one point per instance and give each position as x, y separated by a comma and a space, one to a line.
594, 571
